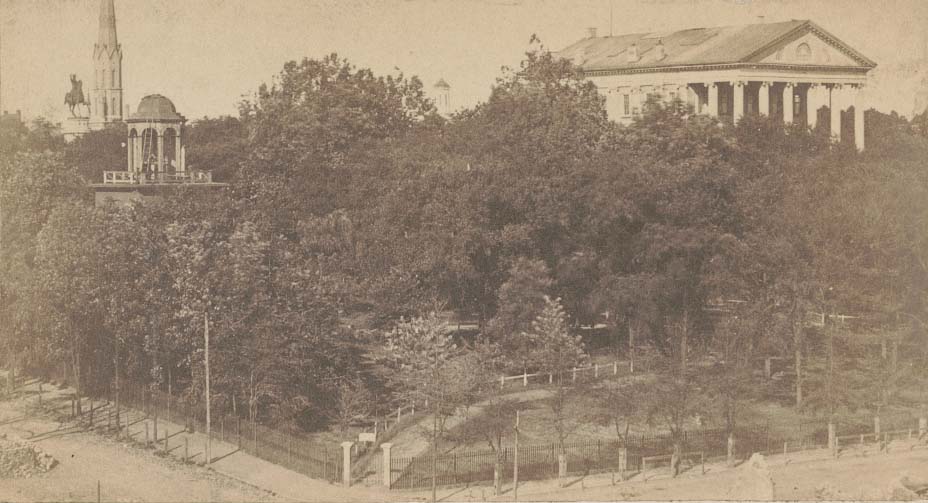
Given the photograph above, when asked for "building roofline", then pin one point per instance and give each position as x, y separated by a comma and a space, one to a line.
601, 72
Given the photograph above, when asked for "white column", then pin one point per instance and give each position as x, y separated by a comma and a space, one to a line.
859, 107
738, 111
813, 102
387, 465
177, 165
713, 99
692, 99
130, 151
346, 463
788, 103
835, 104
763, 99
160, 166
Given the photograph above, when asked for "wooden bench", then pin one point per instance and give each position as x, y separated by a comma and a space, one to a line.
669, 457
881, 441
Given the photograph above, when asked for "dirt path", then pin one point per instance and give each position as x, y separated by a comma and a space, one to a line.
413, 440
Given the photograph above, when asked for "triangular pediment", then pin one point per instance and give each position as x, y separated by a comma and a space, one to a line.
811, 45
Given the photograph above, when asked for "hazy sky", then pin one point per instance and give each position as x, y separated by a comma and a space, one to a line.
206, 54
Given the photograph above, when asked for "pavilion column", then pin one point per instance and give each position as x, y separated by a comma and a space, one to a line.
713, 99
738, 111
859, 107
130, 153
763, 99
835, 107
138, 154
177, 165
788, 103
160, 167
813, 102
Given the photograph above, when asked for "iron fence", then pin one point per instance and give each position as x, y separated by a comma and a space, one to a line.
287, 448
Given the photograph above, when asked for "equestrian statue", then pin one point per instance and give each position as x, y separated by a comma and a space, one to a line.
76, 96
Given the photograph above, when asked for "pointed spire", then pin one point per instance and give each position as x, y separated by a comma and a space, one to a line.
107, 25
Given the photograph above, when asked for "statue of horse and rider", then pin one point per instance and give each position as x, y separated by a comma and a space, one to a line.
76, 96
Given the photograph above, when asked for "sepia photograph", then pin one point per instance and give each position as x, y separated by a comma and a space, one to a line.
357, 251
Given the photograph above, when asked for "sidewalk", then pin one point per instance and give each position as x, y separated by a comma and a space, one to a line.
227, 459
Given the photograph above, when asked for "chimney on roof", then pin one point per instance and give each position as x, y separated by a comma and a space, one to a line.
660, 52
591, 32
632, 53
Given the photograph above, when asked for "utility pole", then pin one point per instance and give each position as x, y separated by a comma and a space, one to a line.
515, 463
11, 377
209, 457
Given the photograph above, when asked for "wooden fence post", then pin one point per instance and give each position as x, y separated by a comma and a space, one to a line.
595, 371
574, 376
146, 433
550, 378
502, 382
524, 378
615, 368
186, 449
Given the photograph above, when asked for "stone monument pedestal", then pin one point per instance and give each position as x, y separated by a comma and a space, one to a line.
73, 127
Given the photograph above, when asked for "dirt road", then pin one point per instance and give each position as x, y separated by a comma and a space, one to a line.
124, 472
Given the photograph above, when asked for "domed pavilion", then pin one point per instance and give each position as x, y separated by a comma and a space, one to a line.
155, 153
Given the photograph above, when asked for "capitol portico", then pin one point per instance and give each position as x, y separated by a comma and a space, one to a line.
794, 71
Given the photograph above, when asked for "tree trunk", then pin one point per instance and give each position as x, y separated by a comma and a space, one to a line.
434, 454
76, 365
676, 457
631, 345
797, 342
116, 373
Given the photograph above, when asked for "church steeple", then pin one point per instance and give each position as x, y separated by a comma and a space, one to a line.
106, 105
107, 25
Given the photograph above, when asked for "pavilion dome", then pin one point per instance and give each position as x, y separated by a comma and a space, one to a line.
155, 107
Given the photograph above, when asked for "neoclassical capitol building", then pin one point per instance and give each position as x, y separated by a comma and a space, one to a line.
792, 70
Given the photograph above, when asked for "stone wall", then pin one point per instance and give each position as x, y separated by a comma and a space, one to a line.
21, 459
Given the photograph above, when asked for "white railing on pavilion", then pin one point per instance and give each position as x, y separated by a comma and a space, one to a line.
133, 177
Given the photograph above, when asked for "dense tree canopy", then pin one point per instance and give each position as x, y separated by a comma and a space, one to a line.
352, 205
